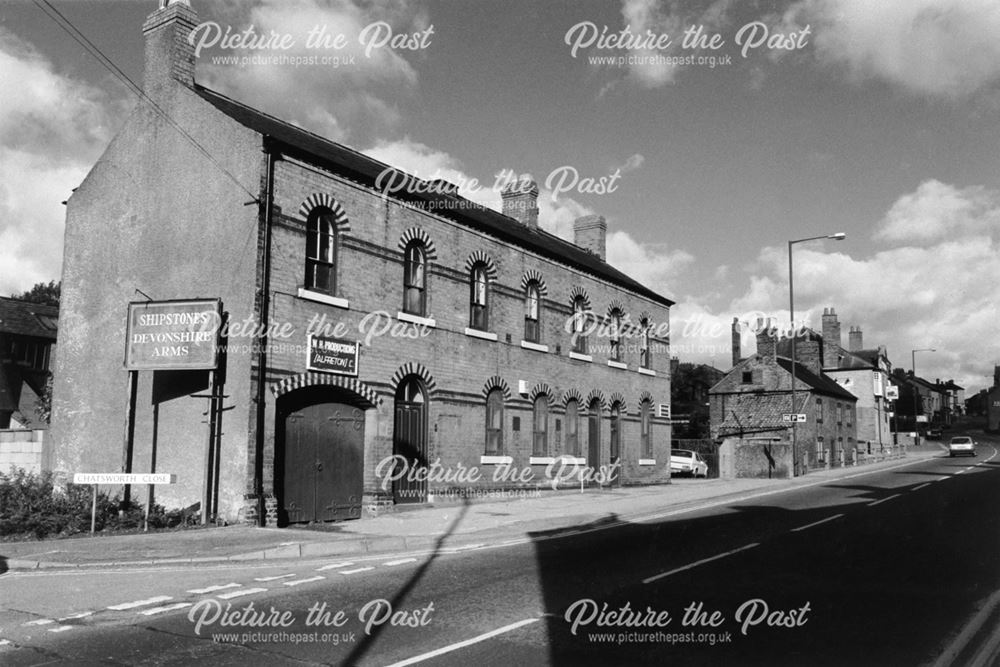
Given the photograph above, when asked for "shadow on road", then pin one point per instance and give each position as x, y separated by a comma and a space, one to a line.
368, 642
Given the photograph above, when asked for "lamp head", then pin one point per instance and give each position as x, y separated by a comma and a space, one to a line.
839, 236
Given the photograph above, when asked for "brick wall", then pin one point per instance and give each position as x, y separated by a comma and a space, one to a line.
21, 449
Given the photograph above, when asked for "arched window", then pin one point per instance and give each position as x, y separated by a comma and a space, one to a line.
321, 251
645, 428
415, 280
572, 427
616, 335
479, 298
616, 433
645, 352
540, 427
579, 325
532, 312
494, 421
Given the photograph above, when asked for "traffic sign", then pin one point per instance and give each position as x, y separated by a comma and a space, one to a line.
791, 417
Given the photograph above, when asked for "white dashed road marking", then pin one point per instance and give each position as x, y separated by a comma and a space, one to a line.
82, 614
468, 642
304, 581
701, 562
275, 577
169, 607
879, 502
139, 603
816, 523
401, 561
61, 628
41, 621
212, 589
917, 488
356, 570
333, 566
240, 593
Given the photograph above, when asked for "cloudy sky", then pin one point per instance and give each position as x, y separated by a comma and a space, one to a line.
808, 117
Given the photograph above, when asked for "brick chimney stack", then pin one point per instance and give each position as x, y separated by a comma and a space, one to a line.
807, 349
854, 340
169, 54
831, 339
520, 201
766, 344
590, 233
737, 352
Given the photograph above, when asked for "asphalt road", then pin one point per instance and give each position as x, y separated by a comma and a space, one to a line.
887, 568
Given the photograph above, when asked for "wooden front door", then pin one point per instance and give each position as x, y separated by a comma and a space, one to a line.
409, 443
322, 462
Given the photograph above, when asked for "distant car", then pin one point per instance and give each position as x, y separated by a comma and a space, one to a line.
933, 434
686, 462
962, 444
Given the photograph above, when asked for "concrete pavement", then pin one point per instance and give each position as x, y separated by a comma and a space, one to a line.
446, 525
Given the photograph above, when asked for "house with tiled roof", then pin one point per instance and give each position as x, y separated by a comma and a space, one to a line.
753, 404
27, 339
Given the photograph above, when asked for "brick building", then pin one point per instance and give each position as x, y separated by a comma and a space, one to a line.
27, 340
749, 403
470, 340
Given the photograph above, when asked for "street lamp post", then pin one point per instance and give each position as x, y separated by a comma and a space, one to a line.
913, 365
839, 236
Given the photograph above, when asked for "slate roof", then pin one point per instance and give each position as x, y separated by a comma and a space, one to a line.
821, 384
24, 318
758, 412
363, 169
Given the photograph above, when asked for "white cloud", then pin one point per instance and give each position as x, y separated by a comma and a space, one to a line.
934, 291
936, 47
354, 100
51, 132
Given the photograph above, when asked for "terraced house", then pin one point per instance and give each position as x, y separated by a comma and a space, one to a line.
368, 334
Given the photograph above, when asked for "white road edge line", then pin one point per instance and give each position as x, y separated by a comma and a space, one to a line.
160, 610
649, 580
816, 523
296, 582
240, 593
356, 570
917, 488
462, 644
879, 502
401, 561
139, 603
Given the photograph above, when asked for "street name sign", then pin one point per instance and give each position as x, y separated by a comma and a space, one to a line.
123, 478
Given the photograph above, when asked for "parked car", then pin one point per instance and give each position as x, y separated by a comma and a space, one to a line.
962, 444
686, 462
934, 434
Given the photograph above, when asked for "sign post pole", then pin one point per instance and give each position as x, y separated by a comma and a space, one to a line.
93, 512
129, 438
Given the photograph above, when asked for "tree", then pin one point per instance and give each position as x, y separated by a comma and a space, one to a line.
47, 293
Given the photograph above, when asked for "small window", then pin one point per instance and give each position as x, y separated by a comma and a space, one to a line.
616, 432
572, 427
579, 325
645, 414
321, 251
479, 298
747, 377
616, 335
532, 311
494, 422
645, 353
415, 280
540, 429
